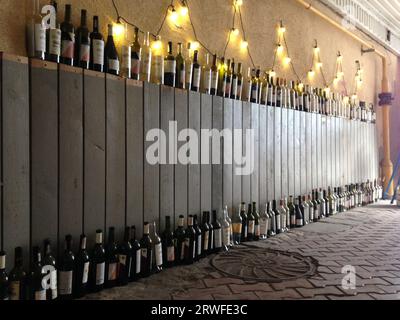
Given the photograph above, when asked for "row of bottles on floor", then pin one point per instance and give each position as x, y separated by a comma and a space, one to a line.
73, 275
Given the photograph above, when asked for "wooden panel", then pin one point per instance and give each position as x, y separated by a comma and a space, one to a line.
338, 152
284, 153
319, 151
194, 169
343, 153
151, 186
71, 154
309, 167
255, 178
329, 151
238, 140
206, 169
14, 146
181, 171
290, 153
167, 113
303, 154
246, 122
228, 156
323, 152
278, 152
270, 154
314, 133
297, 151
333, 154
44, 152
263, 157
217, 166
134, 155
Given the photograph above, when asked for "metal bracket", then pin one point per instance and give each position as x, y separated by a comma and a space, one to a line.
367, 50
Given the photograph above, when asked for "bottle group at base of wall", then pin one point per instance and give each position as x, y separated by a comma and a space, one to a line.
136, 256
98, 263
4, 294
82, 267
66, 271
50, 271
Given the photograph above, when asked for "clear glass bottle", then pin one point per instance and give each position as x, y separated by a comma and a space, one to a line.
158, 63
237, 227
226, 229
207, 76
136, 56
35, 31
146, 59
126, 55
264, 223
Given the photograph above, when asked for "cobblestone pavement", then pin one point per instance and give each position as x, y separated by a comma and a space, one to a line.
366, 238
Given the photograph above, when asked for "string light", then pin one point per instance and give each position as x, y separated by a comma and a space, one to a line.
238, 3
281, 29
195, 45
184, 11
272, 73
244, 45
235, 32
118, 29
157, 45
174, 15
279, 49
287, 61
311, 74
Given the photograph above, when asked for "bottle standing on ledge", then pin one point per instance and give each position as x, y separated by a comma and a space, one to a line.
272, 220
310, 209
82, 47
196, 73
4, 284
35, 32
81, 273
278, 218
207, 75
146, 59
111, 60
226, 229
158, 254
299, 215
97, 47
264, 219
180, 68
217, 233
211, 245
180, 235
97, 263
126, 55
189, 67
239, 77
254, 87
257, 229
124, 259
305, 210
234, 86
17, 278
214, 77
190, 242
146, 246
322, 210
157, 72
136, 56
228, 80
136, 255
283, 214
67, 38
237, 228
50, 271
287, 210
111, 270
53, 38
245, 226
198, 239
35, 280
228, 218
168, 244
170, 67
222, 77
66, 271
250, 224
316, 206
205, 234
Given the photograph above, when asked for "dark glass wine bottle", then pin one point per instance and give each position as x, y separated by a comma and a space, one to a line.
82, 46
146, 246
211, 238
136, 256
256, 216
214, 77
205, 234
36, 275
158, 254
82, 266
168, 241
97, 263
244, 222
50, 271
228, 77
237, 228
53, 37
190, 242
96, 47
234, 86
222, 78
111, 270
199, 242
180, 235
170, 67
271, 214
180, 68
292, 213
17, 278
67, 38
66, 268
299, 215
239, 76
196, 72
4, 284
111, 60
125, 259
136, 56
217, 228
250, 224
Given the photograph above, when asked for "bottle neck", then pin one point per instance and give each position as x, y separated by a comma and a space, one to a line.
146, 40
181, 222
133, 233
146, 229
170, 48
190, 221
83, 18
179, 48
99, 238
68, 244
110, 31
126, 235
168, 223
111, 236
67, 13
2, 261
83, 243
47, 249
95, 24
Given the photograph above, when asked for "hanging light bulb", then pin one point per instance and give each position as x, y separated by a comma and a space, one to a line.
118, 29
279, 49
311, 74
287, 61
319, 64
195, 46
184, 11
272, 73
238, 3
316, 49
300, 86
244, 44
157, 45
336, 81
235, 32
174, 15
340, 74
327, 91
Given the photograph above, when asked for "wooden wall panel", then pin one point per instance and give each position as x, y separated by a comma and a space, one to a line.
228, 156
319, 151
70, 154
314, 156
14, 146
217, 167
246, 122
309, 167
237, 148
324, 168
270, 154
263, 191
297, 157
255, 178
278, 152
291, 152
284, 153
206, 169
303, 154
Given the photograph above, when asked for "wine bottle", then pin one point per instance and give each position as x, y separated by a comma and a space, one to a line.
17, 278
35, 32
299, 214
170, 67
36, 275
237, 228
250, 224
217, 228
257, 229
229, 220
66, 271
97, 263
180, 68
126, 55
146, 59
124, 259
190, 242
222, 78
158, 261
271, 213
304, 210
81, 272
310, 208
136, 256
50, 271
168, 242
136, 56
82, 47
180, 235
243, 215
322, 202
207, 75
316, 206
4, 284
287, 210
157, 71
283, 215
239, 77
111, 270
111, 60
189, 67
292, 213
254, 87
97, 47
198, 238
146, 247
67, 38
196, 73
264, 219
53, 37
278, 218
228, 80
205, 234
234, 86
214, 77
226, 229
211, 245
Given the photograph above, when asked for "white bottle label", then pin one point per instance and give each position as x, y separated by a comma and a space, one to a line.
194, 249
278, 223
212, 234
126, 57
146, 64
234, 86
263, 226
158, 252
65, 282
207, 80
122, 259
189, 71
171, 254
113, 64
40, 295
98, 52
85, 273
100, 267
40, 38
135, 65
251, 227
205, 240
196, 77
254, 93
55, 42
15, 290
112, 271
257, 230
138, 261
84, 53
214, 80
226, 236
67, 47
170, 66
158, 65
198, 242
217, 239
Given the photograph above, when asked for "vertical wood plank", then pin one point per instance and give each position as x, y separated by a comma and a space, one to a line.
228, 156
323, 152
314, 155
70, 154
134, 155
217, 166
246, 122
278, 152
206, 168
319, 151
338, 152
270, 154
14, 146
255, 178
238, 141
284, 152
291, 152
263, 157
297, 151
309, 151
303, 154
44, 152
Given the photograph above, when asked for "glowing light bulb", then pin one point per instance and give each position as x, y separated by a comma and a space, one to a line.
118, 30
336, 81
157, 45
327, 91
282, 30
195, 46
301, 86
279, 49
346, 100
244, 44
316, 50
174, 16
272, 73
235, 32
311, 74
340, 58
287, 60
340, 74
319, 65
183, 11
238, 3
354, 97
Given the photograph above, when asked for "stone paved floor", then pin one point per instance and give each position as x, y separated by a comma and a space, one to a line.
366, 238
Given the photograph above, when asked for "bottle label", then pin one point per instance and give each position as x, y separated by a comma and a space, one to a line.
278, 223
113, 64
98, 52
284, 222
228, 89
158, 252
299, 222
40, 295
198, 242
217, 239
183, 248
65, 282
263, 226
316, 213
100, 267
68, 47
138, 261
146, 64
212, 234
15, 290
55, 42
158, 67
171, 254
205, 240
189, 71
112, 271
239, 89
135, 64
182, 76
85, 275
245, 231
40, 38
226, 236
126, 57
214, 80
196, 77
122, 259
194, 249
257, 230
234, 87
207, 80
237, 228
293, 220
170, 66
251, 227
84, 54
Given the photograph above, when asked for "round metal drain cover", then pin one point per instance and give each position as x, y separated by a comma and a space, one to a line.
265, 265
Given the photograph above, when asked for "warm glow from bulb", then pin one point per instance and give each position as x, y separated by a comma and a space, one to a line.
244, 44
354, 97
184, 11
311, 74
327, 91
282, 30
235, 32
157, 46
119, 30
279, 49
195, 46
301, 86
319, 65
174, 16
272, 73
340, 74
340, 58
316, 50
238, 3
287, 60
336, 81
